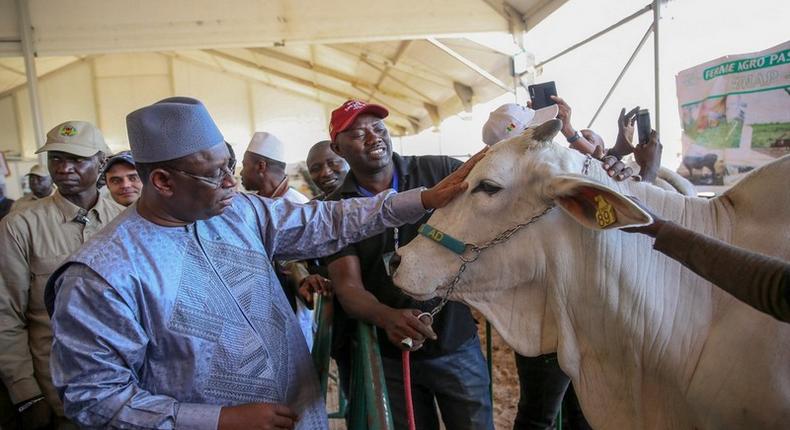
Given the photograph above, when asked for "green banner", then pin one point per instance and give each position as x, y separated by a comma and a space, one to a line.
735, 114
747, 64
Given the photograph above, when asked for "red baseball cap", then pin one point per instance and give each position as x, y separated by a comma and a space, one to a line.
343, 116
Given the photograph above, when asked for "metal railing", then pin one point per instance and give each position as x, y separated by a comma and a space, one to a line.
370, 409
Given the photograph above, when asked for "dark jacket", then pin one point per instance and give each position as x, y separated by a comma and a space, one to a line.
454, 325
5, 206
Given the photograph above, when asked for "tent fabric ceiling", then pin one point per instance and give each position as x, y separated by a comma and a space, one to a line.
329, 50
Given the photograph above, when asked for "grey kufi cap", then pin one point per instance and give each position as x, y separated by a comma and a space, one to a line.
171, 128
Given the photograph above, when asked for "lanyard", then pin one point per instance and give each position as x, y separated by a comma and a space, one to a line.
395, 237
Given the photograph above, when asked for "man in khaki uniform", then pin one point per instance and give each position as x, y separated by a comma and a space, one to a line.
34, 242
40, 186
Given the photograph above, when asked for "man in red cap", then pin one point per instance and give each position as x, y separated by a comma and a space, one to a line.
447, 363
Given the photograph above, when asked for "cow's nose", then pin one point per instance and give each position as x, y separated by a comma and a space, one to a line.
393, 264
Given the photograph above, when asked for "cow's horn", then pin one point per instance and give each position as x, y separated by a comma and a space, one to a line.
546, 131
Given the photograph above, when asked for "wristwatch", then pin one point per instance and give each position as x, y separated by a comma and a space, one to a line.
574, 138
27, 404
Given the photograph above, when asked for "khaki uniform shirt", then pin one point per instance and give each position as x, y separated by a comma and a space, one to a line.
34, 242
26, 201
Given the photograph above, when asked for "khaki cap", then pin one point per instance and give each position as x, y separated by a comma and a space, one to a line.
80, 138
38, 170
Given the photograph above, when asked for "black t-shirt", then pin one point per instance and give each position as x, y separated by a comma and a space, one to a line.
454, 325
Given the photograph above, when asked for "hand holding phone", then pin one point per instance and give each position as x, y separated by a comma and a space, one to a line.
540, 94
643, 125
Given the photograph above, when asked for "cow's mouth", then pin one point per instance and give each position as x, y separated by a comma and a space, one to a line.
421, 296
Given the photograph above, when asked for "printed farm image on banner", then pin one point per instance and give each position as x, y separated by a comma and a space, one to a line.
735, 114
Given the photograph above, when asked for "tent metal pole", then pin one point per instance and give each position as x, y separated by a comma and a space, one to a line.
656, 17
26, 33
627, 19
620, 76
468, 63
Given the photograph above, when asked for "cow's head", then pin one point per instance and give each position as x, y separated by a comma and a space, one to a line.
518, 179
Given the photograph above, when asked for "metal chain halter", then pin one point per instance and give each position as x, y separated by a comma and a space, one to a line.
475, 250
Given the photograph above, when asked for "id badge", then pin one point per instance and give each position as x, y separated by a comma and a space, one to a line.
387, 257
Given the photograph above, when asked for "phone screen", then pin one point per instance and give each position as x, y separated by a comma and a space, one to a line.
539, 94
643, 125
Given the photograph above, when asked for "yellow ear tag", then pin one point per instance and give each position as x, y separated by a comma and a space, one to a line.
604, 213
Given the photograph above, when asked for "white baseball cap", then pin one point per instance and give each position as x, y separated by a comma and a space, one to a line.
268, 145
511, 120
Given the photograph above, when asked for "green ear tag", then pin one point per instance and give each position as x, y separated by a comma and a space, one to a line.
604, 212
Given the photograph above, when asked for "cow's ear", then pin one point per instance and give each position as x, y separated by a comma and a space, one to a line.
546, 131
594, 205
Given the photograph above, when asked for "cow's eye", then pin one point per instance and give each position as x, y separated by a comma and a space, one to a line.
487, 187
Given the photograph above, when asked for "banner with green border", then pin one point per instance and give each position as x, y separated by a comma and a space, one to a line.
735, 115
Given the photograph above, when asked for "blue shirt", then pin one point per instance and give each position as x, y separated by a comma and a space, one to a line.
364, 192
159, 327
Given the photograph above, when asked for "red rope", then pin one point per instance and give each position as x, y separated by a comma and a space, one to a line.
407, 389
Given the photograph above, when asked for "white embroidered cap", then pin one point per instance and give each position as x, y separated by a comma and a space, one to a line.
267, 145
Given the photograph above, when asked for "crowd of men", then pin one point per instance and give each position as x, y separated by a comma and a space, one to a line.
174, 301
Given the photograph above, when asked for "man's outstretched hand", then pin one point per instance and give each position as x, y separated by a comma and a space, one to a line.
454, 184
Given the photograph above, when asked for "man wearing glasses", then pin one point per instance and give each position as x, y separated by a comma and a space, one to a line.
173, 317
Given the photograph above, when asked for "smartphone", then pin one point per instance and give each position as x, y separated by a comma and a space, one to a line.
539, 94
643, 125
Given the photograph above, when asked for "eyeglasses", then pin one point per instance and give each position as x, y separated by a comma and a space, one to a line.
215, 181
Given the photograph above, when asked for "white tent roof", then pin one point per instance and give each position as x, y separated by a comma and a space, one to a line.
415, 57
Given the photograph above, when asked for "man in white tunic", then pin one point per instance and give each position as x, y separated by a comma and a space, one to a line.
172, 316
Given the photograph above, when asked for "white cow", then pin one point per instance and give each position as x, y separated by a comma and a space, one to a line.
647, 343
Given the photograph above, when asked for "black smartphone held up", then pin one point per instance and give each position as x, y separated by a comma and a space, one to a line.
643, 125
539, 94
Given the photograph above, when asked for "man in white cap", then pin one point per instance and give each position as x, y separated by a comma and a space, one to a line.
173, 317
34, 242
263, 169
40, 186
511, 119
